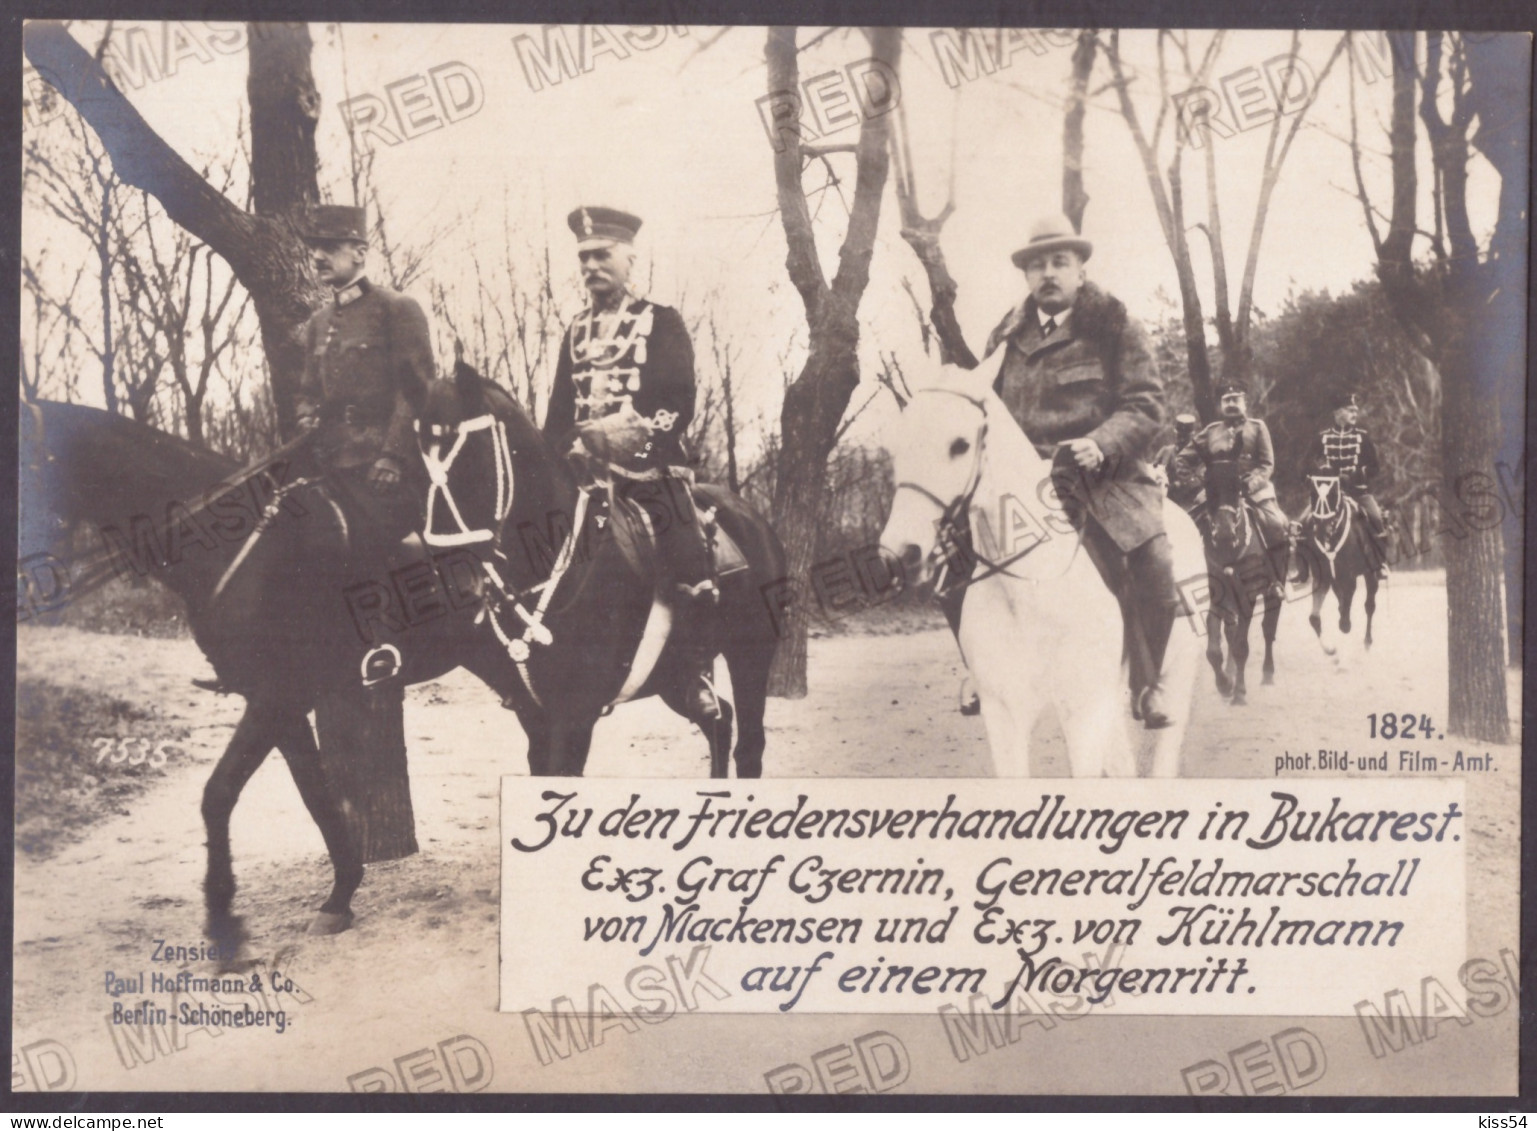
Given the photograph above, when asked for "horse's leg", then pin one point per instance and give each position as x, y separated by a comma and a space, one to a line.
1008, 727
493, 667
748, 662
1268, 624
296, 741
1238, 649
1345, 594
1214, 627
540, 762
1371, 602
569, 740
255, 736
717, 732
1083, 678
1321, 588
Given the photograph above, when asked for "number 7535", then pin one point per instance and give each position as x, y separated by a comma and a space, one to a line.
132, 751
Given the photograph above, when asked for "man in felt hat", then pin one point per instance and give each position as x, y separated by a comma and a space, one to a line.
1183, 487
624, 393
1346, 450
1079, 378
1237, 436
367, 362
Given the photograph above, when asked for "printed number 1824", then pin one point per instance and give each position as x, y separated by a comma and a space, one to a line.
1406, 725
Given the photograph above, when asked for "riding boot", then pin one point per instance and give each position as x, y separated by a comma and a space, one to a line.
689, 578
1150, 569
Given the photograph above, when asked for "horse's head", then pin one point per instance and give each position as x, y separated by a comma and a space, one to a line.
936, 448
1224, 501
464, 437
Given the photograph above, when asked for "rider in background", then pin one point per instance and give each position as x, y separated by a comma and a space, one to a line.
1081, 381
624, 392
1347, 451
1185, 488
1236, 435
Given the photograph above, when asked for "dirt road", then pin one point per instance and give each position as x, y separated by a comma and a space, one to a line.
420, 967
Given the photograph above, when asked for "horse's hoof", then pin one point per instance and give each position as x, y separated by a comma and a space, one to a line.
1240, 700
1152, 713
331, 923
1269, 678
1224, 686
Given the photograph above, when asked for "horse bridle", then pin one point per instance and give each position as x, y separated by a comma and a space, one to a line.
438, 488
1340, 513
948, 524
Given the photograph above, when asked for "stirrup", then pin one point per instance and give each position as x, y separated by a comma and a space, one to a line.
704, 694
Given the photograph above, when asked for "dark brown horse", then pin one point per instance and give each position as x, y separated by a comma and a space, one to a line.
264, 565
1240, 570
1335, 551
579, 613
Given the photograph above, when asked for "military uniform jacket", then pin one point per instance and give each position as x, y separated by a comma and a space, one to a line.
1184, 475
1094, 377
368, 359
1348, 451
1250, 441
643, 360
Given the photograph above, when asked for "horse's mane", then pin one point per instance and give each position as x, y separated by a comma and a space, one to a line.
1223, 482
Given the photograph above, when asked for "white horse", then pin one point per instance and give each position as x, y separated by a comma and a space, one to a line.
1039, 626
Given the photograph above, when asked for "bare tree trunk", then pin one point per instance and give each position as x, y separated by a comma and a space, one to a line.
1458, 318
263, 249
362, 741
1475, 565
816, 400
1074, 198
268, 257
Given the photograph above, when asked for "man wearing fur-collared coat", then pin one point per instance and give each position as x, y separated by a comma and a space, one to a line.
1081, 381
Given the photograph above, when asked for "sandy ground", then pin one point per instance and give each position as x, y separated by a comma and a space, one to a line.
387, 1000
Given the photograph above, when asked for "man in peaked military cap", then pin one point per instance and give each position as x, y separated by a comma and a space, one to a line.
624, 388
1079, 378
1348, 451
368, 360
1236, 435
1184, 488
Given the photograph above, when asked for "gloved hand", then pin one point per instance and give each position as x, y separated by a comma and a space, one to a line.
384, 476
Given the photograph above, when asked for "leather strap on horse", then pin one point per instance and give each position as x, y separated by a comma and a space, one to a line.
535, 631
263, 524
1331, 552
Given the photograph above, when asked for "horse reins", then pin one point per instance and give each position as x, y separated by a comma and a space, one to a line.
950, 513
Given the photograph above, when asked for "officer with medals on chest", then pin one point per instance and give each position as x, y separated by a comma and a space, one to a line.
624, 394
1081, 381
368, 360
1347, 451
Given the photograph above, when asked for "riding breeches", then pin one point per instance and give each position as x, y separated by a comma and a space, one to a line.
379, 519
1372, 511
1143, 581
1272, 521
681, 545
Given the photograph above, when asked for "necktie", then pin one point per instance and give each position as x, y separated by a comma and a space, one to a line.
1051, 325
